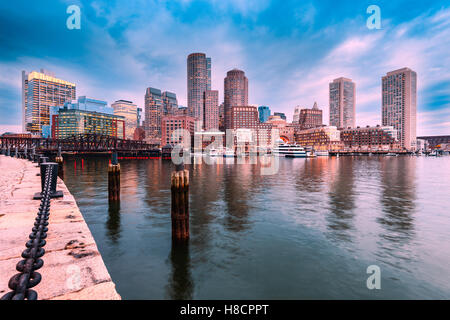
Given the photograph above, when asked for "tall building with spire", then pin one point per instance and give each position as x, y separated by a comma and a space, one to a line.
235, 92
198, 81
310, 118
399, 105
40, 91
342, 103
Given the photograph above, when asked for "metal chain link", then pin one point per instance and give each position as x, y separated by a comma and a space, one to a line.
22, 282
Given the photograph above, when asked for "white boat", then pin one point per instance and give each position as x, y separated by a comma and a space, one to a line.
322, 153
289, 151
229, 153
391, 154
215, 152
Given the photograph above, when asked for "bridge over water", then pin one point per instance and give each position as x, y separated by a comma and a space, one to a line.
82, 143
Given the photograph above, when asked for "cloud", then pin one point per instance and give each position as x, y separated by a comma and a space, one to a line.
290, 50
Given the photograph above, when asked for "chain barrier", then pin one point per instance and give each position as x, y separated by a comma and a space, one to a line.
22, 282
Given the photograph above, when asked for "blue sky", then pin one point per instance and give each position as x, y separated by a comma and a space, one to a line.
290, 50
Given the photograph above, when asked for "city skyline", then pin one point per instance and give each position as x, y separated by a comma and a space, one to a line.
165, 67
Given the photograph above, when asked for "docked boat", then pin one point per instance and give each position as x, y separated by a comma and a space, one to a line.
289, 151
213, 152
229, 153
390, 154
322, 153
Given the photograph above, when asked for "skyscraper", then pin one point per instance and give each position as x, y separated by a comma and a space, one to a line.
235, 92
399, 105
208, 72
211, 112
128, 110
41, 90
296, 117
264, 113
153, 113
310, 118
170, 103
198, 81
342, 103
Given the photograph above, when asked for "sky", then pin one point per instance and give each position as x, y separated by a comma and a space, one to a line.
289, 50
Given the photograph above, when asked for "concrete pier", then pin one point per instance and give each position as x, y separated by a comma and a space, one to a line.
73, 267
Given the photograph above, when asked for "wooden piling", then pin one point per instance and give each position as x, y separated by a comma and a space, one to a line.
59, 160
180, 205
114, 182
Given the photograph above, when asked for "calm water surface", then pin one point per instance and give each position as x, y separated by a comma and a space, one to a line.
308, 232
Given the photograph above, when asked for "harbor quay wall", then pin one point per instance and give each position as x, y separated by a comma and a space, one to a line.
73, 267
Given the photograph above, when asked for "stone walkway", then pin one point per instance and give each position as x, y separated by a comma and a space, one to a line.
73, 267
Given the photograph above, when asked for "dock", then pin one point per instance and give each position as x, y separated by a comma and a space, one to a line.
73, 267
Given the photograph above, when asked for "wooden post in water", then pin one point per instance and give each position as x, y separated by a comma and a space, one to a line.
180, 205
114, 179
60, 161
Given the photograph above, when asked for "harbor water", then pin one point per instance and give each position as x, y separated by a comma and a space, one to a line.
310, 231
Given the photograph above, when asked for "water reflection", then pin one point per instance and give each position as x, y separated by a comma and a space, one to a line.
398, 204
180, 284
113, 222
341, 199
236, 196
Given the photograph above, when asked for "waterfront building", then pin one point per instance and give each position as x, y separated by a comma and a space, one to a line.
211, 110
282, 115
435, 141
342, 103
67, 122
153, 113
128, 110
399, 105
326, 138
243, 117
82, 103
198, 81
264, 113
41, 90
310, 118
235, 93
422, 145
376, 138
171, 123
203, 139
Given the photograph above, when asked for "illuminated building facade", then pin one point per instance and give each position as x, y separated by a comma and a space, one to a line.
40, 91
321, 138
68, 122
128, 110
